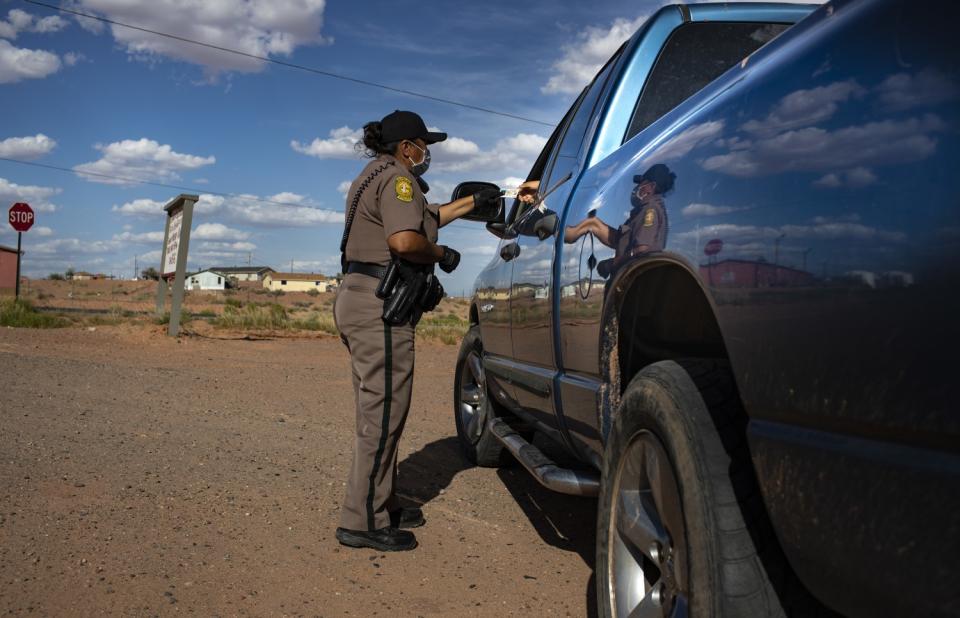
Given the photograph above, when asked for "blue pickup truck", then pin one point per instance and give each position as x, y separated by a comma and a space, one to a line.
736, 306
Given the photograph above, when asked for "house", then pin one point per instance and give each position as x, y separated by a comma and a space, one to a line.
205, 280
82, 275
8, 268
753, 274
244, 273
298, 282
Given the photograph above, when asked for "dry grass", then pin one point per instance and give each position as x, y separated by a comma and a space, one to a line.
21, 314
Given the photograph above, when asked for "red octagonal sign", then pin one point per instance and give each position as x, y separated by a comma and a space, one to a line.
21, 216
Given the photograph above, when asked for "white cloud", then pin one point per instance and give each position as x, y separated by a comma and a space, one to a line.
265, 28
928, 87
227, 246
20, 21
207, 204
854, 178
708, 210
217, 231
819, 150
37, 197
805, 107
341, 145
682, 143
508, 156
143, 237
455, 155
343, 187
66, 247
17, 64
482, 250
582, 59
818, 229
28, 148
143, 159
281, 210
142, 207
298, 211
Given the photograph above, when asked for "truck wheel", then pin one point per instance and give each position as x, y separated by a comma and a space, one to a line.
472, 407
677, 490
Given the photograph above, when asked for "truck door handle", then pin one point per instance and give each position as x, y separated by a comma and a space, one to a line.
509, 251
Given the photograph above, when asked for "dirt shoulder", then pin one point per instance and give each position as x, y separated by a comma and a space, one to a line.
142, 475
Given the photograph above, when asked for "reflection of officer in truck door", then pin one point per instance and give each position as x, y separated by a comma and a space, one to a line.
388, 220
645, 229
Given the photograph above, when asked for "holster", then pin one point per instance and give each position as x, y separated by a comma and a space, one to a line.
408, 290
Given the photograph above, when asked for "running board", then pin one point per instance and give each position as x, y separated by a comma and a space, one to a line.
549, 474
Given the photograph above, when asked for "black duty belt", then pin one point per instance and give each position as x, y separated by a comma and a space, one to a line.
365, 268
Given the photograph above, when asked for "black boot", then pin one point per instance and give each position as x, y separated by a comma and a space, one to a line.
407, 517
384, 539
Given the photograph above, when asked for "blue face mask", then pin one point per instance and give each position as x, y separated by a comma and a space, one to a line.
419, 169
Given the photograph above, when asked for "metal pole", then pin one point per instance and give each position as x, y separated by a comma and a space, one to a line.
19, 236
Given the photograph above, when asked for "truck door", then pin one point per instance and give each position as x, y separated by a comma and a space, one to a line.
531, 294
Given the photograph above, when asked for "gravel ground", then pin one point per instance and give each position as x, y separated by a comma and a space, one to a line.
142, 476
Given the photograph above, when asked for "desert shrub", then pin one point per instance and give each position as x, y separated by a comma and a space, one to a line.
21, 314
447, 328
313, 292
162, 320
234, 302
254, 316
322, 322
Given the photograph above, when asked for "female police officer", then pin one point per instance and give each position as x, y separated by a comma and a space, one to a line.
387, 217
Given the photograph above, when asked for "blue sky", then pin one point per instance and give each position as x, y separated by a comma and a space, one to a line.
106, 99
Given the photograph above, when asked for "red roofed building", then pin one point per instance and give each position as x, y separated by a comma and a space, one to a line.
8, 268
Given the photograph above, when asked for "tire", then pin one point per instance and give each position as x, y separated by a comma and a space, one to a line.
472, 406
677, 478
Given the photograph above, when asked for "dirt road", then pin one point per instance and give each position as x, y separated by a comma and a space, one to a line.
143, 476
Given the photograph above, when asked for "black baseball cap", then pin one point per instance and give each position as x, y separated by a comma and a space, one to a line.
401, 125
660, 175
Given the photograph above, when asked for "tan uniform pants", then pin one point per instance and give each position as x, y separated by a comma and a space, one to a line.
381, 357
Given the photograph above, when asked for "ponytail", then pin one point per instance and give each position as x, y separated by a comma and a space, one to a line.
372, 141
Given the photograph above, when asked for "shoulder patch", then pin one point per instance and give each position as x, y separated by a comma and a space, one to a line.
404, 188
649, 218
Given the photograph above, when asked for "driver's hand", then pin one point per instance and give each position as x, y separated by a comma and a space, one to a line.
528, 192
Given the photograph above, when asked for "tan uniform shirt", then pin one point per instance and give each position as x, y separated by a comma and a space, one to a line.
391, 202
646, 231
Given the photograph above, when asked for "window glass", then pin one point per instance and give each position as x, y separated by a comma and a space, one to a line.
694, 55
571, 128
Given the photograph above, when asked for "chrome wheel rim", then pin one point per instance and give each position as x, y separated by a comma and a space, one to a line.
471, 397
647, 570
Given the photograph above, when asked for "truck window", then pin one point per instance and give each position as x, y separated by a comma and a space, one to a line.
569, 132
694, 55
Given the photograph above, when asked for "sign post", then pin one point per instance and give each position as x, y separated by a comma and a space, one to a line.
21, 219
173, 261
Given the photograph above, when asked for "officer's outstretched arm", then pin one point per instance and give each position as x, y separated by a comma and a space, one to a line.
414, 247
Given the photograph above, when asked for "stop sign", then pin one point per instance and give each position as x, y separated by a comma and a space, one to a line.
713, 247
21, 216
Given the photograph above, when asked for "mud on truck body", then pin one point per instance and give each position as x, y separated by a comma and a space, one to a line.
764, 404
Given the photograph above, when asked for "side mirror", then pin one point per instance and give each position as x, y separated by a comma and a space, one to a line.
546, 226
488, 213
501, 230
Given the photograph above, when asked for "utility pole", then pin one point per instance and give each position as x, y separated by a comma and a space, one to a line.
291, 264
135, 273
249, 259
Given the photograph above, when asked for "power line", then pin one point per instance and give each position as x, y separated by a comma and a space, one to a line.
290, 65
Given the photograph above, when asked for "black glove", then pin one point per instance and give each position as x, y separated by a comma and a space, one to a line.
450, 260
485, 197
